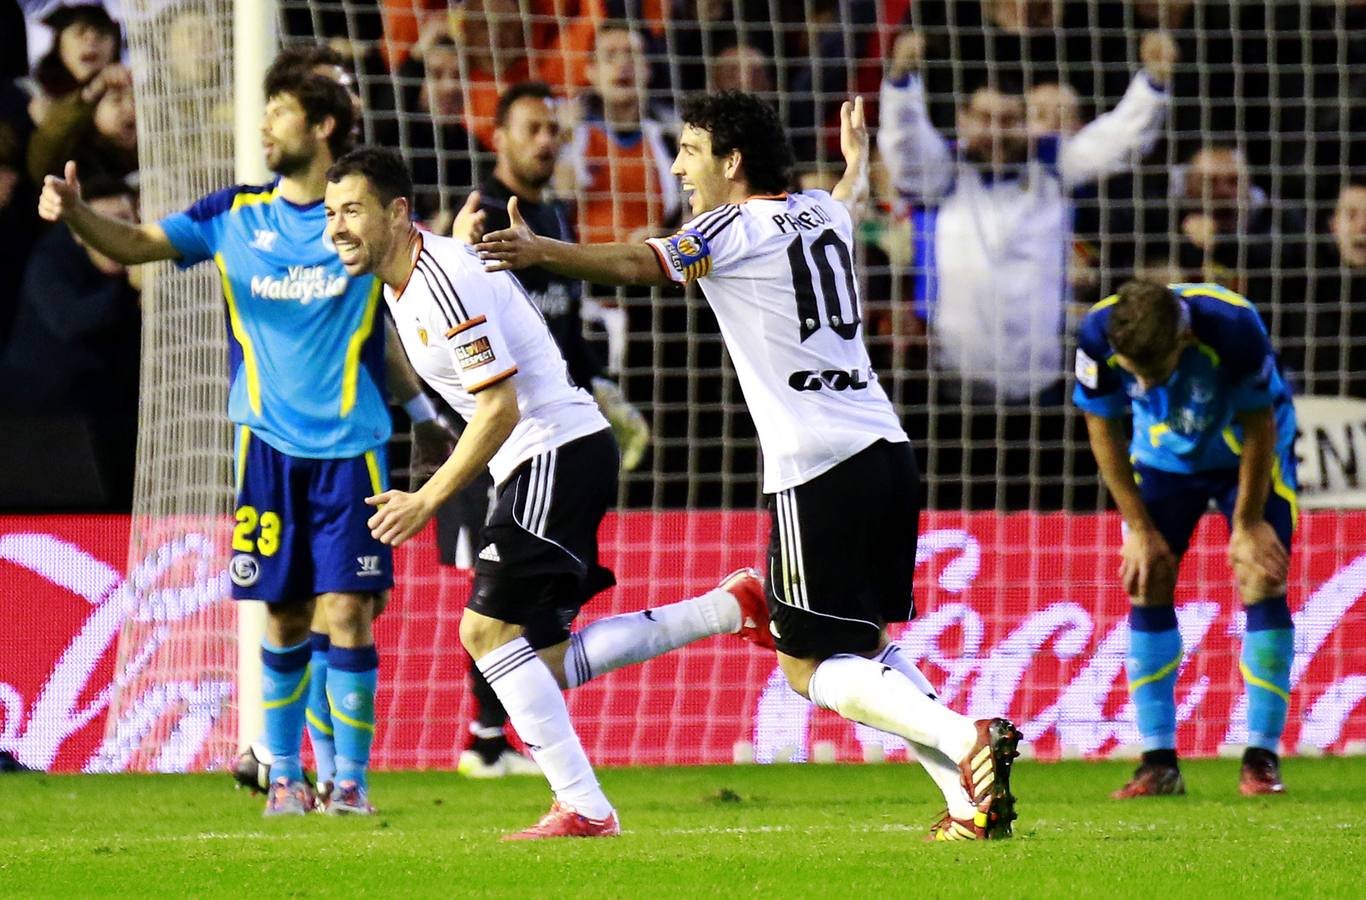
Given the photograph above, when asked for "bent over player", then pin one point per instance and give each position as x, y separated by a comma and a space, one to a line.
842, 483
306, 355
1213, 421
476, 338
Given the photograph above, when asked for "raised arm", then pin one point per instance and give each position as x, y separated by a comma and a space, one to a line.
518, 247
852, 189
121, 241
916, 155
1120, 137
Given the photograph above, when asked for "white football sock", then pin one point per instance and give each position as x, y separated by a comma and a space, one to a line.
609, 644
536, 709
880, 697
891, 655
943, 770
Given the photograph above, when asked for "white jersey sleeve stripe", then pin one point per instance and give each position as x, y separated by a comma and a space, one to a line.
490, 382
477, 320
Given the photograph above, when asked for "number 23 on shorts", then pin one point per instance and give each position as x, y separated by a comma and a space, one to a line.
256, 533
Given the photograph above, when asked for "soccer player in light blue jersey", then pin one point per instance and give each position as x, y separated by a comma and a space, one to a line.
1213, 421
306, 361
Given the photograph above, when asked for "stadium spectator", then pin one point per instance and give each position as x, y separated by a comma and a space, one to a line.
74, 346
85, 40
1236, 233
620, 149
95, 125
993, 226
741, 67
1331, 328
430, 129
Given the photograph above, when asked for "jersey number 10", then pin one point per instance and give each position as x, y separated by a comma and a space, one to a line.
813, 311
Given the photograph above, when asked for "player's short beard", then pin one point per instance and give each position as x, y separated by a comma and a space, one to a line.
291, 164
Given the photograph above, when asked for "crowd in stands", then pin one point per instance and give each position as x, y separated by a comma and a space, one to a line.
1033, 155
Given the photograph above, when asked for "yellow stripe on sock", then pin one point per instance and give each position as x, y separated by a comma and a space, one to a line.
1156, 676
1265, 685
347, 720
318, 723
294, 697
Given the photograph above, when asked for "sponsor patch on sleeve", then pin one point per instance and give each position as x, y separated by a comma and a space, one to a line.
476, 353
1088, 371
687, 254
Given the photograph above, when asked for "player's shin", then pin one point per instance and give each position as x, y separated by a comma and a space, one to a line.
611, 643
285, 693
1268, 652
879, 696
537, 710
1153, 662
319, 717
944, 771
352, 673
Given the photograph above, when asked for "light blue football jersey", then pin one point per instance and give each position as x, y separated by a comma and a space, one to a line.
306, 341
1189, 423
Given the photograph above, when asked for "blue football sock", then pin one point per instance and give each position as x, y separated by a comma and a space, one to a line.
352, 673
284, 685
1268, 652
319, 716
1152, 665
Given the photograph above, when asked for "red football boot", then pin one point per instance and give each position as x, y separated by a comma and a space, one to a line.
747, 587
562, 821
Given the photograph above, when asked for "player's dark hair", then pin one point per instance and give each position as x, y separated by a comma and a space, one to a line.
383, 168
306, 57
740, 121
321, 98
519, 91
1145, 322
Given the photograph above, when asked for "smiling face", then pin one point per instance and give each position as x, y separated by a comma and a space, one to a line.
290, 143
362, 228
701, 172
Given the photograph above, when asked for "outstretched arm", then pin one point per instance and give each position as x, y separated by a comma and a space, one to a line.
121, 241
518, 247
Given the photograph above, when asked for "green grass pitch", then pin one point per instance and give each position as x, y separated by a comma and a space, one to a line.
776, 831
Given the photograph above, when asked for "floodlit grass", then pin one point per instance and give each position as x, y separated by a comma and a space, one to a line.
779, 831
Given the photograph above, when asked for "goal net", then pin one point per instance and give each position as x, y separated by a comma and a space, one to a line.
1185, 140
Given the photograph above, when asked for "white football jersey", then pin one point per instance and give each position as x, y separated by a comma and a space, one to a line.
465, 329
778, 271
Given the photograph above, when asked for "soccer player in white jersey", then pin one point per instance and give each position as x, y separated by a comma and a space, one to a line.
478, 340
843, 488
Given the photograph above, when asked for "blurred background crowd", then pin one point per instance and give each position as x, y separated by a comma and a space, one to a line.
1032, 155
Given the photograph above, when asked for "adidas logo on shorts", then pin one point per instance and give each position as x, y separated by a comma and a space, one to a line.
490, 554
